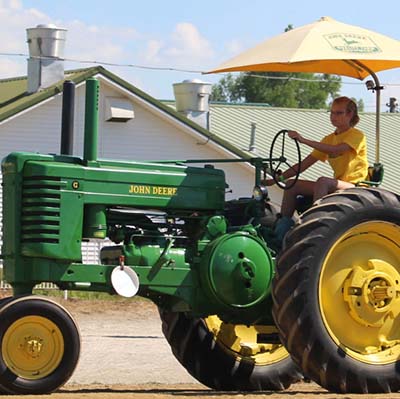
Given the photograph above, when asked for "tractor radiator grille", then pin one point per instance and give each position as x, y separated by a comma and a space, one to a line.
41, 209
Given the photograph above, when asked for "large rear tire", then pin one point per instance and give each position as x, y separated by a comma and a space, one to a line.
228, 357
337, 292
40, 345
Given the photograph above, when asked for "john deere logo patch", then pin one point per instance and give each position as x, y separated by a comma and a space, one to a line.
352, 43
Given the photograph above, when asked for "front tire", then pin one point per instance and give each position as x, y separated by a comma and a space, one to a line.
40, 345
337, 292
227, 357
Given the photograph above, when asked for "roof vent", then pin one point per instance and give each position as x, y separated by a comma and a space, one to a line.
192, 100
118, 110
46, 50
192, 95
252, 146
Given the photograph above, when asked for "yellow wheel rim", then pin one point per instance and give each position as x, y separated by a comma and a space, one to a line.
32, 347
359, 292
251, 342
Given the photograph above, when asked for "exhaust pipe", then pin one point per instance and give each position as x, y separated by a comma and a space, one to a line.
67, 119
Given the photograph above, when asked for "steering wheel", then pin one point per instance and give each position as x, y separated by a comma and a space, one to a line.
280, 139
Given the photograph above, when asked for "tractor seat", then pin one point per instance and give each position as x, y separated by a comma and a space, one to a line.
375, 176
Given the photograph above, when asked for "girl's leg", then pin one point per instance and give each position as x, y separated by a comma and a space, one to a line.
302, 187
327, 185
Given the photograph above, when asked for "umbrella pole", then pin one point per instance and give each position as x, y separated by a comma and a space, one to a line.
377, 88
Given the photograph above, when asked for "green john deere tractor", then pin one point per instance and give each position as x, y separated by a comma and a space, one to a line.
233, 305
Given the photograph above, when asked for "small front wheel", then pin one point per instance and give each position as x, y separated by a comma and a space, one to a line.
40, 345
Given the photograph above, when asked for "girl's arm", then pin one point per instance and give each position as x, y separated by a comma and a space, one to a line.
329, 149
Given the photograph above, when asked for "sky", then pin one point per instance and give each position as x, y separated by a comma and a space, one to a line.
180, 36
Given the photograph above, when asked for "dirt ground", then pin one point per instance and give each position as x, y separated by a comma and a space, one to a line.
124, 355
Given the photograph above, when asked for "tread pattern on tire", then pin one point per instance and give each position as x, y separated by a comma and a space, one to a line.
295, 292
195, 347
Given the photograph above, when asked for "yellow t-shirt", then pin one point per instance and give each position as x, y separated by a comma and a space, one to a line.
351, 166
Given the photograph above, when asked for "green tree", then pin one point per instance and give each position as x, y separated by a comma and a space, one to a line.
296, 90
290, 90
228, 89
360, 104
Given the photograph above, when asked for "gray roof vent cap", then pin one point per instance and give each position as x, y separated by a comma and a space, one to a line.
192, 95
46, 40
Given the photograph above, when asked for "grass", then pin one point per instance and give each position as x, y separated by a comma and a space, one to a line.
77, 294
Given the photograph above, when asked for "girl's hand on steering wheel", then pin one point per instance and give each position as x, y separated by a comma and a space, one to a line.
295, 135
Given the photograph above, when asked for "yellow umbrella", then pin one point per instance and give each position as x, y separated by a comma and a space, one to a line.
325, 46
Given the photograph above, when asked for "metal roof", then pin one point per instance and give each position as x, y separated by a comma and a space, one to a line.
14, 98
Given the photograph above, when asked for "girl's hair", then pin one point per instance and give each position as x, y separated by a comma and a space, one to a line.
351, 106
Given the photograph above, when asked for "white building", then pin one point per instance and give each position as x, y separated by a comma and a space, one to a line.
132, 124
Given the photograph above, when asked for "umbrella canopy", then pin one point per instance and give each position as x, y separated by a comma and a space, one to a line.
325, 46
